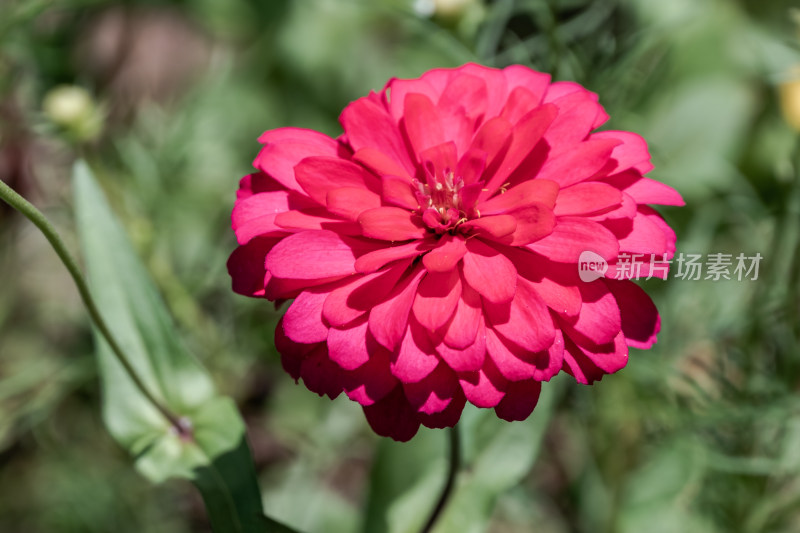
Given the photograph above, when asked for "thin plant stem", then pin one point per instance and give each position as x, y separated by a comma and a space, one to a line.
48, 230
454, 465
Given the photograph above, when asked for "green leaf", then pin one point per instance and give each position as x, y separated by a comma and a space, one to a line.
213, 453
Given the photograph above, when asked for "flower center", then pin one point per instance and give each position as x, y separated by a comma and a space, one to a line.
440, 201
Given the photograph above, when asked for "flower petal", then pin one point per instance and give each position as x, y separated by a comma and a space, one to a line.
640, 320
574, 235
388, 320
320, 175
416, 357
490, 273
345, 304
433, 393
393, 416
446, 255
437, 297
589, 198
350, 202
314, 255
529, 193
520, 400
526, 321
303, 320
582, 161
391, 224
484, 387
349, 347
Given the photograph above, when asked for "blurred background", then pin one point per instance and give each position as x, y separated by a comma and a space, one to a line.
166, 99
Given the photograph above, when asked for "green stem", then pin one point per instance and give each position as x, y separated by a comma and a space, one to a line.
40, 221
454, 461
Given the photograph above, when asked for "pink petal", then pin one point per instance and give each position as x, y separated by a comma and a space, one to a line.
631, 152
582, 161
314, 255
391, 224
446, 255
529, 193
640, 235
449, 417
421, 122
578, 112
345, 304
350, 202
416, 357
372, 381
377, 259
437, 297
644, 190
533, 223
526, 321
607, 358
496, 227
246, 266
466, 321
574, 235
485, 387
640, 320
286, 147
400, 89
255, 215
534, 82
526, 133
380, 163
465, 359
520, 400
349, 347
388, 320
320, 374
368, 125
490, 273
315, 219
493, 139
393, 417
599, 320
433, 393
319, 175
520, 102
303, 320
470, 168
587, 199
510, 363
398, 192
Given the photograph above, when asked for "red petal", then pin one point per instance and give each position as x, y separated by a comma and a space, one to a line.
398, 192
533, 223
377, 259
526, 194
315, 219
388, 320
446, 255
286, 147
372, 381
588, 198
485, 387
246, 266
255, 215
579, 163
520, 400
466, 321
578, 112
496, 227
469, 358
599, 320
416, 357
526, 321
421, 122
314, 255
574, 235
490, 273
345, 304
393, 417
320, 374
447, 418
437, 297
303, 320
319, 175
350, 202
640, 320
348, 347
632, 151
391, 224
433, 393
380, 163
368, 125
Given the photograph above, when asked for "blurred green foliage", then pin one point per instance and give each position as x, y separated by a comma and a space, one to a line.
700, 434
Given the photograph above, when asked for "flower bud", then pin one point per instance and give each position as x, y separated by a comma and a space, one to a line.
72, 108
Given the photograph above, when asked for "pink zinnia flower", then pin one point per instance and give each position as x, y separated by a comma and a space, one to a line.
431, 250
